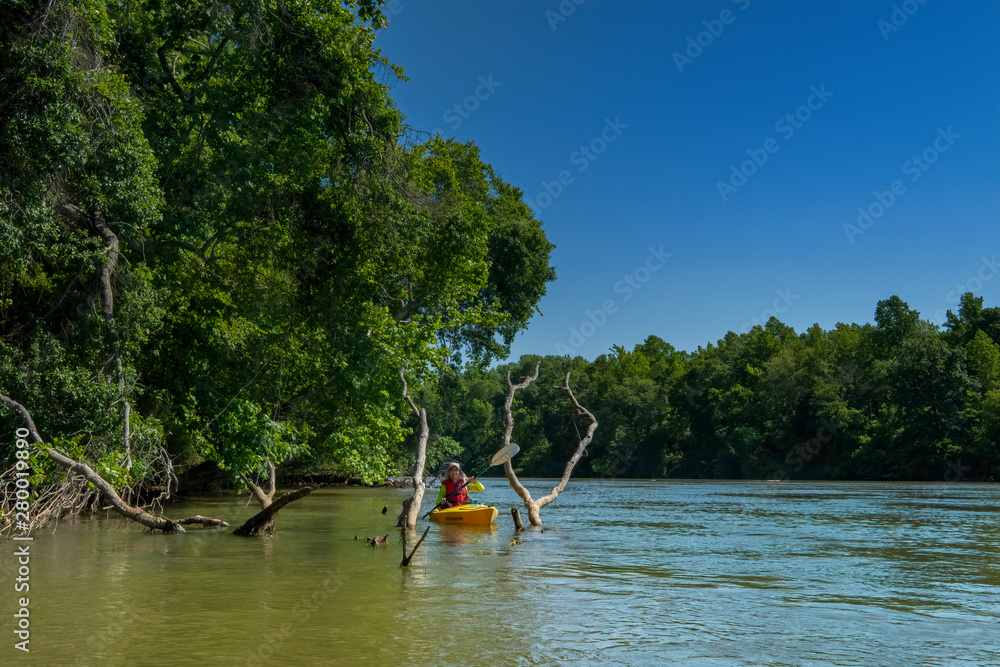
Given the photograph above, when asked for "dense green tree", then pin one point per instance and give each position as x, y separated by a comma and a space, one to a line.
896, 399
215, 215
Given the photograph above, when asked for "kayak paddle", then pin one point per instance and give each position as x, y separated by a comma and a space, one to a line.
501, 457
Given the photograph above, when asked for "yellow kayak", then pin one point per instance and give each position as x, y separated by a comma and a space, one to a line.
469, 515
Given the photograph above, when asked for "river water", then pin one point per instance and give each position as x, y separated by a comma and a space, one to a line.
624, 572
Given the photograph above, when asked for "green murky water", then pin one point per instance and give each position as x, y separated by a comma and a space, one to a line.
625, 572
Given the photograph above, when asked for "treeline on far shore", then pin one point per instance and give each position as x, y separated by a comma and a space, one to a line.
900, 399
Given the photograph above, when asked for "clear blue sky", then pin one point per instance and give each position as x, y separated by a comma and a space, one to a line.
886, 82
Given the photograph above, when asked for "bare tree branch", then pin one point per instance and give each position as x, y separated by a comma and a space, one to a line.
534, 506
271, 479
580, 448
129, 511
263, 521
508, 416
258, 493
411, 506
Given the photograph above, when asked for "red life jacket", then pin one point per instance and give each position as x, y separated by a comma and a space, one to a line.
460, 498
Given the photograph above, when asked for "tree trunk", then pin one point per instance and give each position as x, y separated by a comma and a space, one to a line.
534, 514
581, 447
406, 559
96, 224
518, 526
508, 416
100, 227
263, 521
534, 506
204, 521
411, 506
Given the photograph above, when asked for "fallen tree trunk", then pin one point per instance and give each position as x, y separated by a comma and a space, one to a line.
137, 514
263, 521
534, 506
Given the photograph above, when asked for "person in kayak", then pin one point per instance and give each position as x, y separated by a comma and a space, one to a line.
451, 483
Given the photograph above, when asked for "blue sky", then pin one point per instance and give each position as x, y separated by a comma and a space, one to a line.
739, 138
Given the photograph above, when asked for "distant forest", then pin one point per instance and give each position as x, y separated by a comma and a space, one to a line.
901, 399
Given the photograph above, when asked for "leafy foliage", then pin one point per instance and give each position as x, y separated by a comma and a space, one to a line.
897, 400
286, 247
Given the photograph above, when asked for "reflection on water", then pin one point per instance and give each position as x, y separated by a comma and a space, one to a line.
624, 573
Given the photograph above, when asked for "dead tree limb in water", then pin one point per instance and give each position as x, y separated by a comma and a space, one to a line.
262, 496
518, 526
137, 514
406, 559
263, 521
534, 506
204, 521
411, 506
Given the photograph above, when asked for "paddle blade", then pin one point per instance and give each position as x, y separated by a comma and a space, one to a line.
505, 454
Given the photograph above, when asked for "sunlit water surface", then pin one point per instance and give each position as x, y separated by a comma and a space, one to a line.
625, 572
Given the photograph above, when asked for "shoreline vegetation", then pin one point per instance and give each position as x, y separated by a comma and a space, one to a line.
220, 241
895, 401
900, 399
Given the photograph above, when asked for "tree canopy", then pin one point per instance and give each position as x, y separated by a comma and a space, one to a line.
214, 215
898, 399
